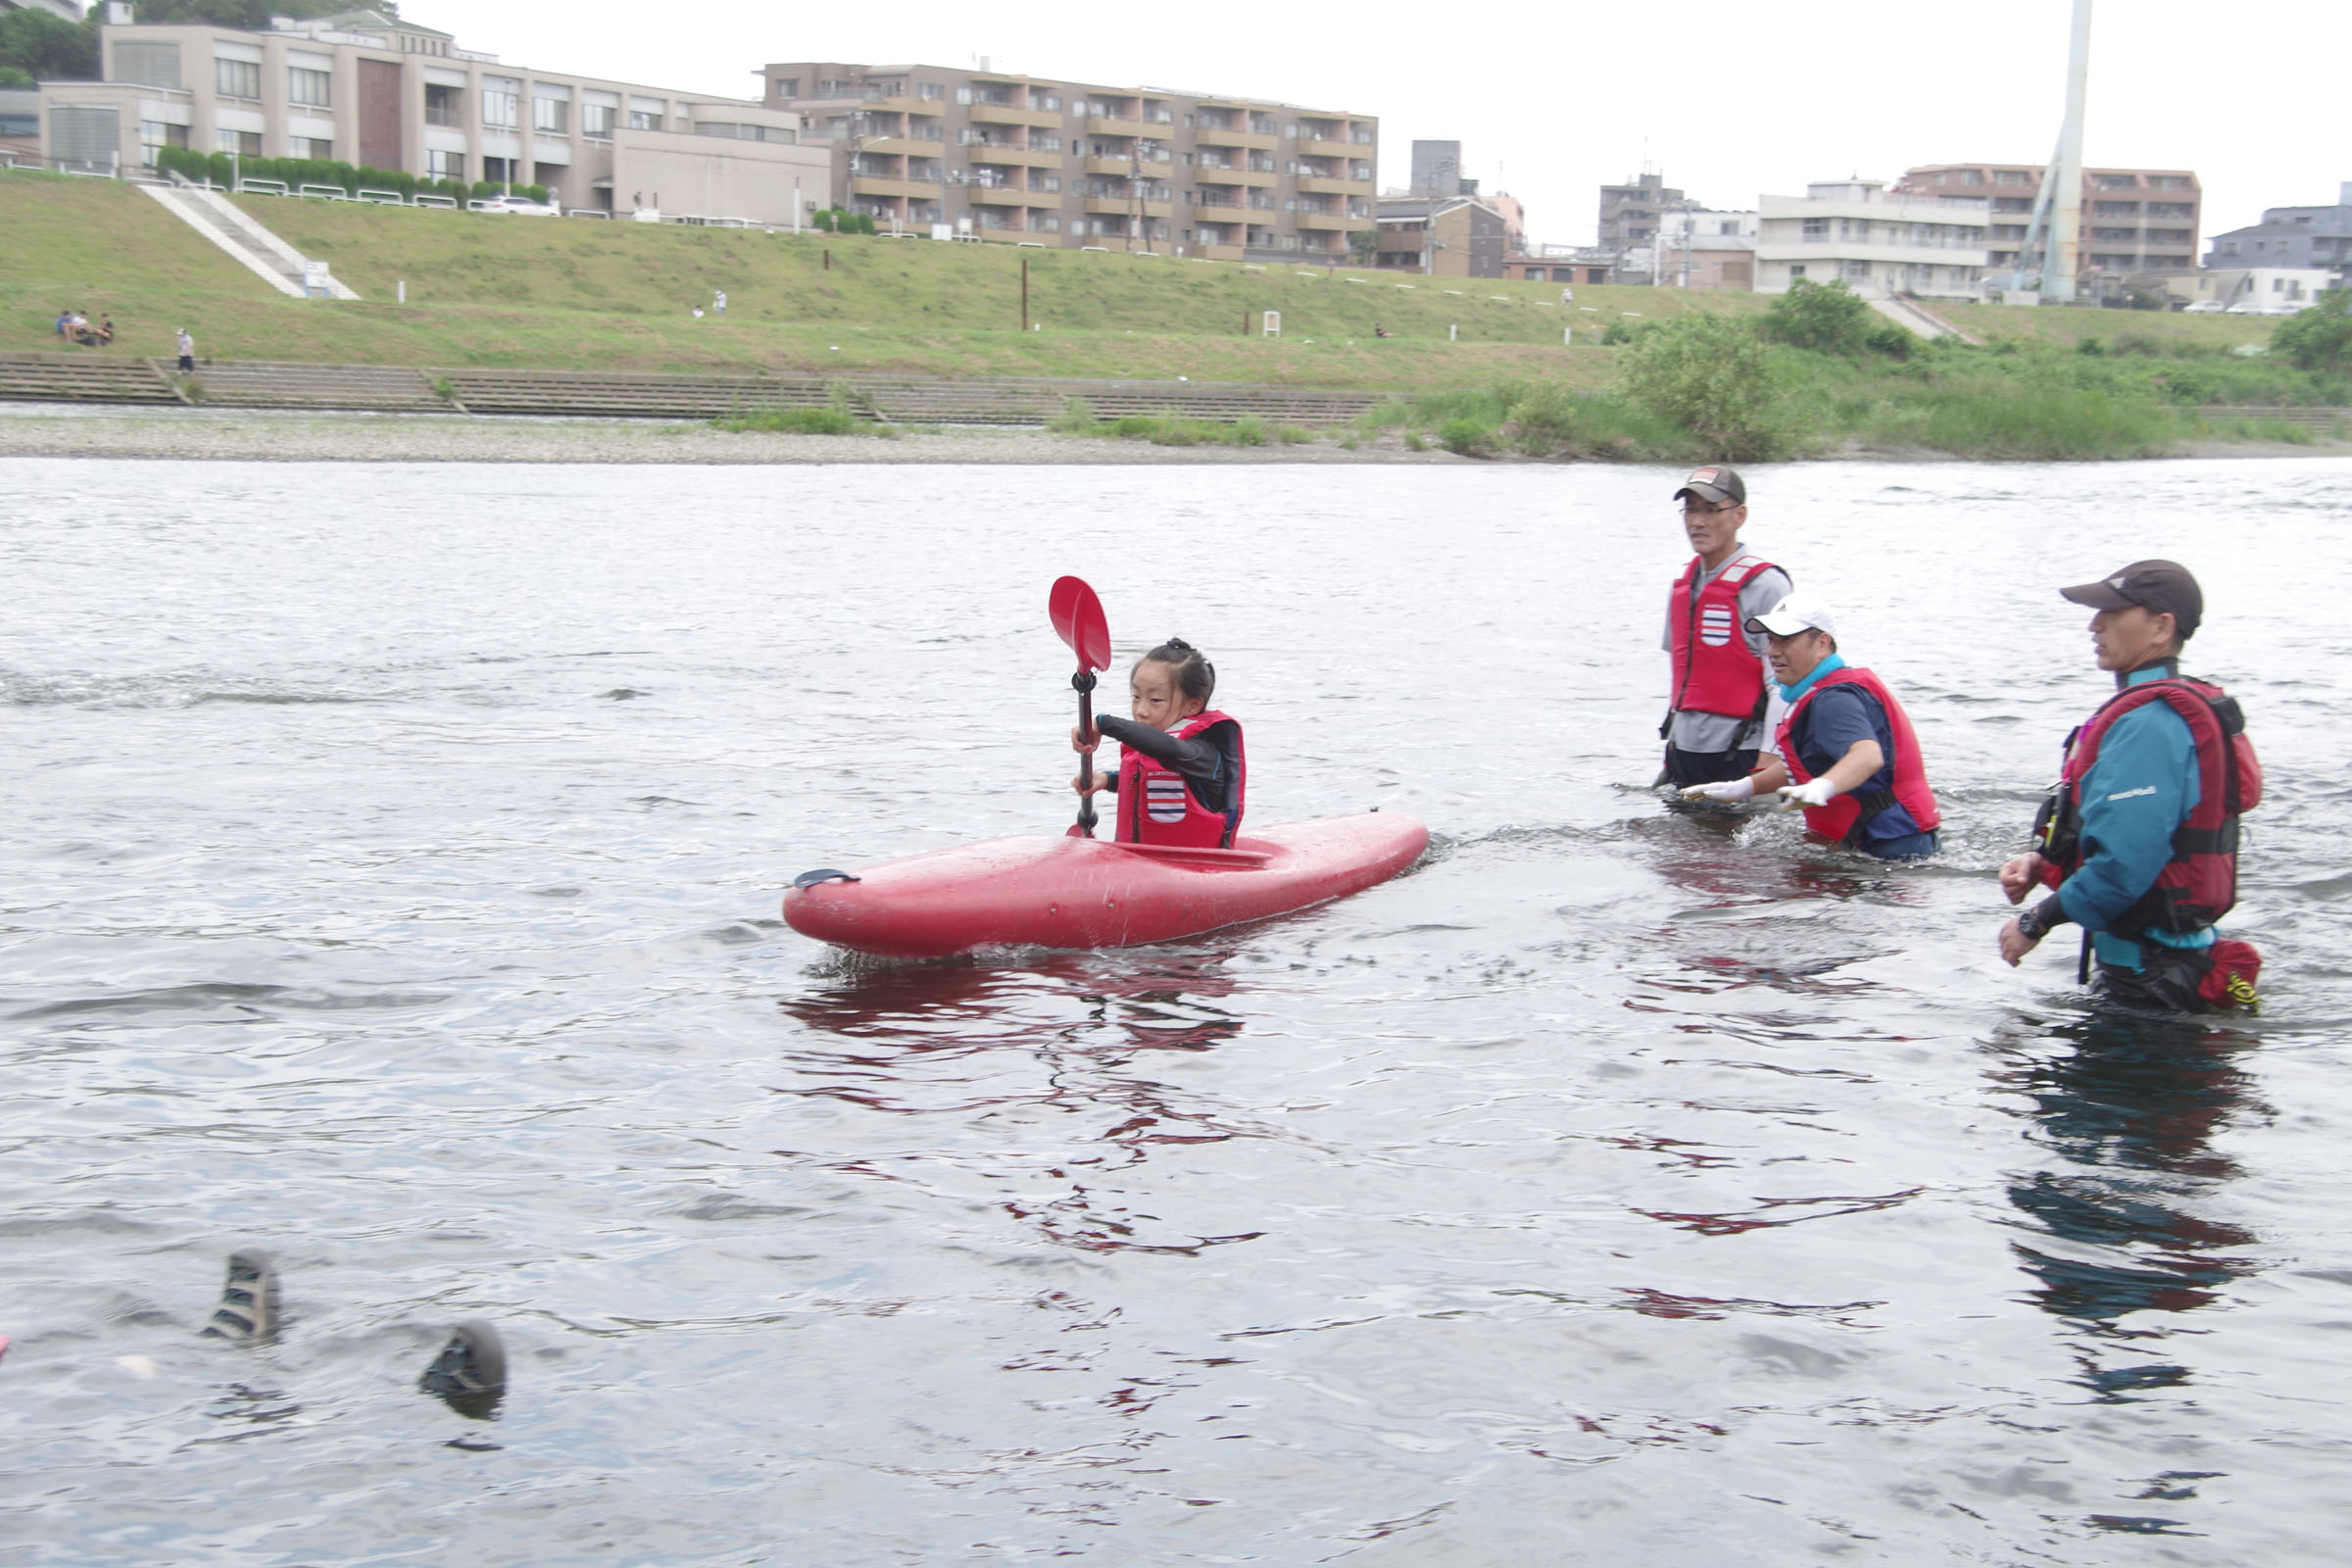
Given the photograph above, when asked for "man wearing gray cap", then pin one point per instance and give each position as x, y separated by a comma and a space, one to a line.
2139, 836
1715, 716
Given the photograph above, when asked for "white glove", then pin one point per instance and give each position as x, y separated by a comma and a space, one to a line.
1737, 789
1812, 792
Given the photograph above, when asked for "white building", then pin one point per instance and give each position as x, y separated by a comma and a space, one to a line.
1874, 242
2275, 290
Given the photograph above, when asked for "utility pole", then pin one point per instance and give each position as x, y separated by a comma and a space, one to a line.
1135, 184
1024, 293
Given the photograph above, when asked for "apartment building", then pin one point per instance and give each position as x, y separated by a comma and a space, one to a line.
1442, 236
1006, 157
1876, 241
2304, 237
2134, 220
1706, 248
374, 90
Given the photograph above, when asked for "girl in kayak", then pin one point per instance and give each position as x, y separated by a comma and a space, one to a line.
1181, 776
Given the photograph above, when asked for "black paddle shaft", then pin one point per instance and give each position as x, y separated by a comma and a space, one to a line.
1084, 683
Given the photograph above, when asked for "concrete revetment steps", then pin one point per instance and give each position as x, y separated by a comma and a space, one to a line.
89, 377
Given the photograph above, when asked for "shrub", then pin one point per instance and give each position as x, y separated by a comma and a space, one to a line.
2320, 339
1076, 417
1825, 317
1468, 437
1708, 373
827, 421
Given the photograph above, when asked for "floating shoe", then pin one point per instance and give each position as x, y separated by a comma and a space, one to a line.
248, 1310
470, 1375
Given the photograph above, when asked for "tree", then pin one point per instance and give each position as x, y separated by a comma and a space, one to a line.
1364, 245
2319, 338
1825, 317
1706, 372
45, 47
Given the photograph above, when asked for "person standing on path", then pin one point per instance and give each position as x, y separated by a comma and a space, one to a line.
187, 351
719, 301
1714, 722
2139, 836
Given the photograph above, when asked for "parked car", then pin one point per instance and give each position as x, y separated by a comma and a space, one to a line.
2245, 308
522, 206
2202, 307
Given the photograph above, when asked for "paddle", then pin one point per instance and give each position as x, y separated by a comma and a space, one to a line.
1077, 616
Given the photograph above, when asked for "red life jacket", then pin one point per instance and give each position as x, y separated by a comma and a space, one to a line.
2198, 885
1158, 806
1843, 817
1714, 670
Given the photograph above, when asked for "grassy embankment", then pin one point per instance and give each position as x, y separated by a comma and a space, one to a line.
574, 294
509, 292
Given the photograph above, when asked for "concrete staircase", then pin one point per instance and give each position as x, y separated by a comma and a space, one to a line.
1916, 317
89, 376
272, 384
247, 241
588, 393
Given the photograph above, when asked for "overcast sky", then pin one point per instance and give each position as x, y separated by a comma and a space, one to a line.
1728, 99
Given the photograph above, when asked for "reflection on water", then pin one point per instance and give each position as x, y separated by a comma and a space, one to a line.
2130, 1105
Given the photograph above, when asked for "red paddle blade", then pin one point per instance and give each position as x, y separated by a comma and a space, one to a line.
1078, 621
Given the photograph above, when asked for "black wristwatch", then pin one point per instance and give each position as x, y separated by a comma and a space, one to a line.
2037, 922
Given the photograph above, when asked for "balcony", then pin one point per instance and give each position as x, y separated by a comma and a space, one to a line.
1017, 157
1005, 196
1210, 137
900, 106
1211, 213
1331, 149
877, 185
1117, 167
1118, 207
1116, 127
1317, 185
1005, 114
898, 146
1219, 252
1245, 177
1331, 221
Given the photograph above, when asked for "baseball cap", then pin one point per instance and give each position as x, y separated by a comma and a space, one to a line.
2157, 586
1792, 614
1715, 486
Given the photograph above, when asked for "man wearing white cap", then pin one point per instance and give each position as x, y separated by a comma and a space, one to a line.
1715, 712
1847, 751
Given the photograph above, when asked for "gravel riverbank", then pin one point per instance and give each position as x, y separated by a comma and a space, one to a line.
28, 431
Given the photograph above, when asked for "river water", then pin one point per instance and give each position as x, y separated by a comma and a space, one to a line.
393, 856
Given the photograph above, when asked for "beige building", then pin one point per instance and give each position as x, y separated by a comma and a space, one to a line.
368, 89
1876, 241
2134, 220
1442, 236
1022, 159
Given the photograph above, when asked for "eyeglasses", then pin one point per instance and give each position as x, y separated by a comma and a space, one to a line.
1706, 511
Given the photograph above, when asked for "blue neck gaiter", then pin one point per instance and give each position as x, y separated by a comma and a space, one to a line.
1789, 694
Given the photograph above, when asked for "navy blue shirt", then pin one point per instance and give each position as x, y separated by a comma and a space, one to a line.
1832, 721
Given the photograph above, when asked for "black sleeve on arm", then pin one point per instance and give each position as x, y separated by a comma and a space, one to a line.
1195, 759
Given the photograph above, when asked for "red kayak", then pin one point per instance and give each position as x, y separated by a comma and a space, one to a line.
1091, 893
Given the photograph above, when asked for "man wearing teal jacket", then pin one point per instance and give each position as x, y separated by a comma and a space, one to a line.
2120, 858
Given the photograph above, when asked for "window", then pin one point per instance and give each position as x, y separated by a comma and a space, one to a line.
1817, 229
244, 143
312, 87
443, 106
2115, 181
155, 135
2012, 176
930, 89
551, 114
783, 87
500, 109
237, 79
1972, 176
1796, 270
1046, 224
443, 164
1854, 269
638, 120
1043, 144
312, 147
596, 120
499, 170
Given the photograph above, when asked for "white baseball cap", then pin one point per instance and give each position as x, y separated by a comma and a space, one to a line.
1792, 614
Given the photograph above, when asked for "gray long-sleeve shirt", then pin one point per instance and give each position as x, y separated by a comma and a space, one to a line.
1725, 732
